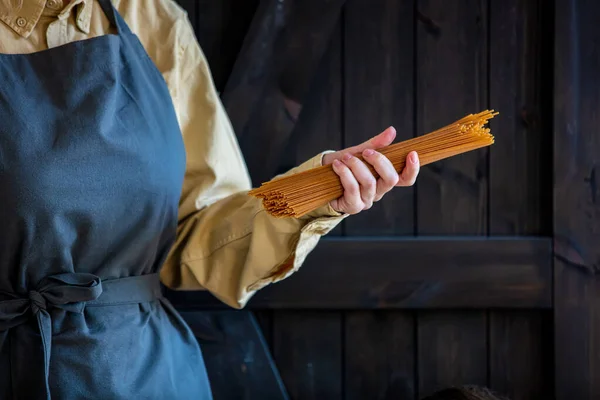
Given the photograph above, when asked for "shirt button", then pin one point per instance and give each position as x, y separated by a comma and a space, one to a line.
21, 22
52, 4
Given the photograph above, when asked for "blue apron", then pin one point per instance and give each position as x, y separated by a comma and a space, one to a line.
91, 167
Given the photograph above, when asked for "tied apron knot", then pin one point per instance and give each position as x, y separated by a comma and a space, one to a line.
72, 292
67, 291
36, 302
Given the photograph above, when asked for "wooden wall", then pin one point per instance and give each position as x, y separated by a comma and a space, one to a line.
417, 65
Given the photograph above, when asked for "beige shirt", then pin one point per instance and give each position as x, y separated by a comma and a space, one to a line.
226, 242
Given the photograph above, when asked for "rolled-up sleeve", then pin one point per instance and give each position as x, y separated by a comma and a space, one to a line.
226, 242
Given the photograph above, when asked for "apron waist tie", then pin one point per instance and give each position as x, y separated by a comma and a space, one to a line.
73, 292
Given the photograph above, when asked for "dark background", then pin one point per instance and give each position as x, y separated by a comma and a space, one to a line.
483, 273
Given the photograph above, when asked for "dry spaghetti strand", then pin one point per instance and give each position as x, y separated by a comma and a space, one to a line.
299, 194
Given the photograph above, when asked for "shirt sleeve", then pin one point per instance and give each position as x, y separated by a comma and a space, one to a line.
226, 242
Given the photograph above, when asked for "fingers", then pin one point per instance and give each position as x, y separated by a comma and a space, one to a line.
385, 138
359, 185
350, 202
411, 170
364, 177
361, 188
388, 177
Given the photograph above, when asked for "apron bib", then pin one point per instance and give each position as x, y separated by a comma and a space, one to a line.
91, 169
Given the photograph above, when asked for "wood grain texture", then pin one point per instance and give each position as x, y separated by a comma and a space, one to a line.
221, 28
519, 182
319, 125
451, 82
419, 273
380, 355
520, 341
270, 80
520, 365
452, 195
238, 361
379, 91
307, 348
253, 66
264, 318
452, 350
576, 200
363, 84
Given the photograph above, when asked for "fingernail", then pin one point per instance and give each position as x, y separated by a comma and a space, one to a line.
336, 163
368, 152
413, 158
347, 156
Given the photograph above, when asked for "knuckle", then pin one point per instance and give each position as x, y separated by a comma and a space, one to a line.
370, 183
345, 172
352, 160
352, 188
389, 181
377, 156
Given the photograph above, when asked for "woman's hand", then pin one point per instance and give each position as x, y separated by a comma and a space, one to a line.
361, 189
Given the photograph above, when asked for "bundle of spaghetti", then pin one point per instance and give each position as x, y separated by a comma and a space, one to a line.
298, 194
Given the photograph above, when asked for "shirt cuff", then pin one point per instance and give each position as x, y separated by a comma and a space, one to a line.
307, 239
325, 211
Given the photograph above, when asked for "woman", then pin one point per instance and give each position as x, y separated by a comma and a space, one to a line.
118, 169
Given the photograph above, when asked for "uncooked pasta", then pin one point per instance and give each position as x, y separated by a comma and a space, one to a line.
298, 194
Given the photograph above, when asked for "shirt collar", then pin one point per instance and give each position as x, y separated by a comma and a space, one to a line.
23, 15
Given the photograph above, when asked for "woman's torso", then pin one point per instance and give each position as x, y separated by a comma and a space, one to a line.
91, 166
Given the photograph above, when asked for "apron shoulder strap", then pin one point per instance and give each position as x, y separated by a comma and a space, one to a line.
114, 17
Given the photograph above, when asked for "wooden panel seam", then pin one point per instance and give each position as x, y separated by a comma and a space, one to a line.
415, 273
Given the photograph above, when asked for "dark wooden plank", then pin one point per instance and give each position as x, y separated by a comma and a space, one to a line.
265, 321
451, 195
308, 346
451, 82
221, 28
306, 38
520, 363
380, 355
576, 200
237, 357
253, 65
410, 273
379, 92
319, 126
276, 65
519, 182
520, 342
308, 351
299, 52
452, 350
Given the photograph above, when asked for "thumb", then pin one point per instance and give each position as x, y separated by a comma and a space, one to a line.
385, 138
